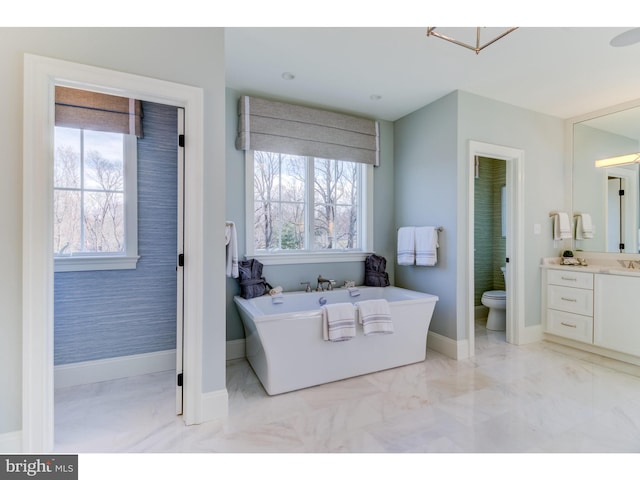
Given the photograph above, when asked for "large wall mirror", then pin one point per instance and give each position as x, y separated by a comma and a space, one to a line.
608, 194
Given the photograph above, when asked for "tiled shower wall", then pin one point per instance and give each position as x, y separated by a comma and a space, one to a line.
490, 245
105, 314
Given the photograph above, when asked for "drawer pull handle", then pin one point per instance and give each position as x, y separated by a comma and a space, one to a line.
568, 299
568, 325
569, 278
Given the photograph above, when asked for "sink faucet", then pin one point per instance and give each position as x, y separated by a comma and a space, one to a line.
321, 281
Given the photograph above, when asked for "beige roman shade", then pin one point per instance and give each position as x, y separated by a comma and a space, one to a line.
279, 127
98, 111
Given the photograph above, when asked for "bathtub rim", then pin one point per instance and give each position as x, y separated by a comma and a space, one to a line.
250, 310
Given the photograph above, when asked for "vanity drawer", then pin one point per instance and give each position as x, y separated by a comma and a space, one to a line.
570, 278
570, 325
567, 299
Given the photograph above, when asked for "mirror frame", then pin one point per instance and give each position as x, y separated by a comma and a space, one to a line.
568, 167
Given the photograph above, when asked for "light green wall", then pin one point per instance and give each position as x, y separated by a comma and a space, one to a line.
432, 168
426, 194
190, 56
290, 276
542, 139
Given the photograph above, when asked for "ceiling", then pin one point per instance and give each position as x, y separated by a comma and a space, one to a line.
559, 71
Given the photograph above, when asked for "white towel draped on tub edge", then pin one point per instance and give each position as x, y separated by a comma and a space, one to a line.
338, 322
375, 317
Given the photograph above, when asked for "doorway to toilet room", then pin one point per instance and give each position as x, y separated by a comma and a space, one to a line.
496, 254
490, 235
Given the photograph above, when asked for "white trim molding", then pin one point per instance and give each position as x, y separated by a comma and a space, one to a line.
215, 405
41, 74
81, 373
11, 442
514, 158
456, 349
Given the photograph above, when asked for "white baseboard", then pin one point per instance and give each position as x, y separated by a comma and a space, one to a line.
215, 405
11, 442
531, 334
448, 347
113, 368
235, 349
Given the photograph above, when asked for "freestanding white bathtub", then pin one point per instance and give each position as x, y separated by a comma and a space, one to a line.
285, 346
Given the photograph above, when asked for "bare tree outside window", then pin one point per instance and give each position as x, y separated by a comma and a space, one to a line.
88, 192
282, 184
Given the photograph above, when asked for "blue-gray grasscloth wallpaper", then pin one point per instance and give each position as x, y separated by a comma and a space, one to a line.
113, 313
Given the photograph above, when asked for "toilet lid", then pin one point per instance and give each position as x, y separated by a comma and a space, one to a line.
495, 294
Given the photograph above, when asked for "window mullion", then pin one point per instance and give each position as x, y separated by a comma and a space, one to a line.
82, 225
309, 188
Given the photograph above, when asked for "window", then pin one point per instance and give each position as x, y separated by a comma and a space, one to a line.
304, 209
95, 207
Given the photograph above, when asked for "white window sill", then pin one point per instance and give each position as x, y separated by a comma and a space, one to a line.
302, 258
88, 263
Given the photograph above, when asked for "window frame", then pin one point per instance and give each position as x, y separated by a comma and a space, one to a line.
114, 261
365, 217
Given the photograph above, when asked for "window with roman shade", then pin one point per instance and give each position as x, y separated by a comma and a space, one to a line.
309, 182
87, 110
95, 180
266, 125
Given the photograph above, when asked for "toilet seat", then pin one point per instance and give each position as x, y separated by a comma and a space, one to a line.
495, 294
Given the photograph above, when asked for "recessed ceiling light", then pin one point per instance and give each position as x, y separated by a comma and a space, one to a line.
375, 97
288, 76
626, 38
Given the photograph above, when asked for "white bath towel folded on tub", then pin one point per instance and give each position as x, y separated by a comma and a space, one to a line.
375, 317
338, 322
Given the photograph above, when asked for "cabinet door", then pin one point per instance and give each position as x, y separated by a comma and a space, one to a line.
617, 313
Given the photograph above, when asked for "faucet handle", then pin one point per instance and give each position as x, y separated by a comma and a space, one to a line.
308, 286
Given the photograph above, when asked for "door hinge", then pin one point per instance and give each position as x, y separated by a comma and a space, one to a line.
621, 192
180, 379
621, 246
181, 140
181, 260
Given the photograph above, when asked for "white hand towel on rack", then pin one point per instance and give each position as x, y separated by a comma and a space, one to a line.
406, 245
426, 246
231, 249
375, 317
338, 322
584, 227
561, 226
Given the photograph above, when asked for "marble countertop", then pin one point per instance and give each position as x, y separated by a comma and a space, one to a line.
613, 266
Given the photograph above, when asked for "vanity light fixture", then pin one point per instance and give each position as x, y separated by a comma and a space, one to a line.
477, 47
621, 160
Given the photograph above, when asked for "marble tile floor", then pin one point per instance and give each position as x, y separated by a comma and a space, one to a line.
537, 398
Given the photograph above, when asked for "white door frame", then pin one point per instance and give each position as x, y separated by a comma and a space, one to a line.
41, 74
515, 239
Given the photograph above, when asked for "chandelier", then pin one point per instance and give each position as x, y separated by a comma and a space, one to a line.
477, 47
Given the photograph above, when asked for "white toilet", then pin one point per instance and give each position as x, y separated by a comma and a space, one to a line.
496, 301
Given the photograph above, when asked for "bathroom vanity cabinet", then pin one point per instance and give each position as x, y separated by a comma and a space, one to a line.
570, 304
593, 309
617, 310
